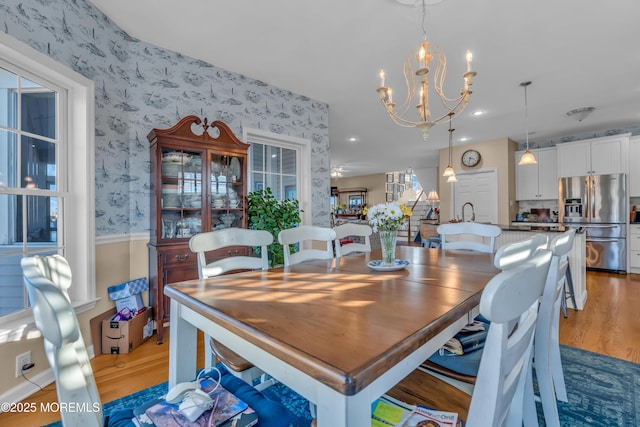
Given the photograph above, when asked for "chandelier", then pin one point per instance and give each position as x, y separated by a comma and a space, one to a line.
419, 79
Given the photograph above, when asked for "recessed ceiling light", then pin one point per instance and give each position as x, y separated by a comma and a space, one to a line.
353, 139
477, 113
464, 138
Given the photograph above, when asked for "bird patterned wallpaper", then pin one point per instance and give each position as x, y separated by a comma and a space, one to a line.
139, 86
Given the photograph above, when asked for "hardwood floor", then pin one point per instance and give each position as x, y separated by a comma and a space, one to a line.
609, 325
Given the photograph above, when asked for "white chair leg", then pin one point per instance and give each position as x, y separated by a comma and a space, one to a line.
523, 406
558, 375
209, 357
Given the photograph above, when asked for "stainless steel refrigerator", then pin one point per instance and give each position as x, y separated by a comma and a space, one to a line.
598, 205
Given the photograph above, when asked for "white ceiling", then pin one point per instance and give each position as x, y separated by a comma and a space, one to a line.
577, 53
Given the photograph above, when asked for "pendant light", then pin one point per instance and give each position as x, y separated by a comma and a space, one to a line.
527, 158
449, 172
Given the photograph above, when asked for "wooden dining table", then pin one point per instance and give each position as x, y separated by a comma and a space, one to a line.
336, 331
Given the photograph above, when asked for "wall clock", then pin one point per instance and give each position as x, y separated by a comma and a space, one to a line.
471, 158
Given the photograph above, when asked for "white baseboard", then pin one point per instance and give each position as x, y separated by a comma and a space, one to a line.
26, 389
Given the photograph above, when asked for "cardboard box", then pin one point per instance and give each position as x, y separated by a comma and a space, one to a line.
127, 289
120, 337
96, 329
133, 303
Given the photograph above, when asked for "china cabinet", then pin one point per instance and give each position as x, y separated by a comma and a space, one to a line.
198, 184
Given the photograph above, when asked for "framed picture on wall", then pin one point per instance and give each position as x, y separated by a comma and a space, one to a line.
396, 187
389, 177
401, 177
401, 189
389, 197
389, 188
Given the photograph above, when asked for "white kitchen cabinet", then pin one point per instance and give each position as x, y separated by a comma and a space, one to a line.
539, 181
598, 156
633, 183
634, 248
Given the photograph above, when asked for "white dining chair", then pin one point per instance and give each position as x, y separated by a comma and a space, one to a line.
461, 370
232, 239
547, 362
469, 235
361, 231
48, 280
511, 297
302, 236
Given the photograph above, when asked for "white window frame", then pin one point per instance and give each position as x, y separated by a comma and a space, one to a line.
302, 147
78, 170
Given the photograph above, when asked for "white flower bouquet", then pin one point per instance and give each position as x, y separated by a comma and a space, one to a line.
387, 217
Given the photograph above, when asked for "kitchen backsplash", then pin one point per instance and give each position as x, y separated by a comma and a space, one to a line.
525, 206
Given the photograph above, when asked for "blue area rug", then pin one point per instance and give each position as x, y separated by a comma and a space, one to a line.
603, 391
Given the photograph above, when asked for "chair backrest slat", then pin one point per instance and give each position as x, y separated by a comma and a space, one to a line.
472, 236
228, 237
362, 231
301, 235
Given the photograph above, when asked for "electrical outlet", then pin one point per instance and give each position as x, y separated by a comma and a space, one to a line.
21, 360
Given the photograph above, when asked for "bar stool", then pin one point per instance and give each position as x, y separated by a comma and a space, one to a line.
568, 294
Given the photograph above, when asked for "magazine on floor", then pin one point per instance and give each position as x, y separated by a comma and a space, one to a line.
427, 417
387, 411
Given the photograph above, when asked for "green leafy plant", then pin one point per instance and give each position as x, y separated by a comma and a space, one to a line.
267, 213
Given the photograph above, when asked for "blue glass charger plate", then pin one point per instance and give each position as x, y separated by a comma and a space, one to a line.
398, 264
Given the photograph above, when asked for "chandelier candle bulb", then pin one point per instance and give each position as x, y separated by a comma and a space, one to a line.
381, 77
469, 59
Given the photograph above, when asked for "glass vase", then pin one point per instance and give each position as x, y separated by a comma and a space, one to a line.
388, 245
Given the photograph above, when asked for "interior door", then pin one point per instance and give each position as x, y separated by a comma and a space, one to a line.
479, 188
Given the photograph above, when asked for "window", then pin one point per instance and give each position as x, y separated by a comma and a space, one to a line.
46, 176
32, 200
282, 163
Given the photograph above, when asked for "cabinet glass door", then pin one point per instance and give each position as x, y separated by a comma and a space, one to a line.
181, 196
227, 194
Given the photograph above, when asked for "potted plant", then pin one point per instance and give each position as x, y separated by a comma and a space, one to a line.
265, 212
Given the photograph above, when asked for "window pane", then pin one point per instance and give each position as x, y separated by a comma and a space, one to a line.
8, 97
38, 164
288, 161
257, 156
8, 150
12, 290
273, 181
12, 296
42, 222
290, 189
273, 159
258, 181
10, 224
38, 109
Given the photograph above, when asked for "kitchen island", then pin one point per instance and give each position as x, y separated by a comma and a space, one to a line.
577, 256
517, 231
